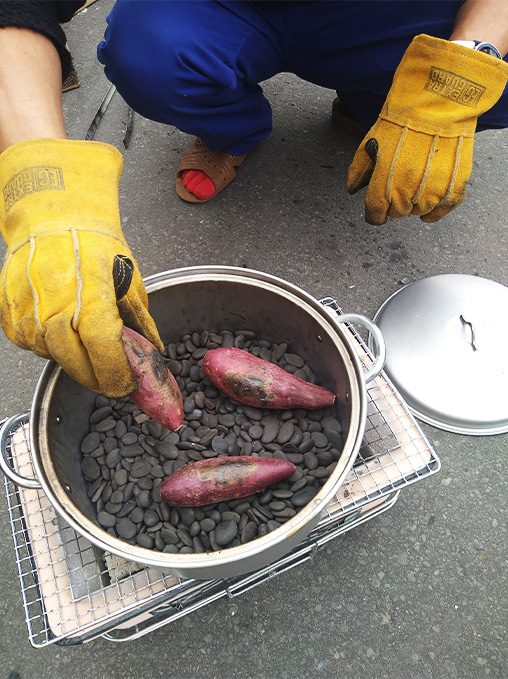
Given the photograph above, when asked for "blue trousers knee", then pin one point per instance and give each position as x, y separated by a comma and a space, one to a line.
198, 64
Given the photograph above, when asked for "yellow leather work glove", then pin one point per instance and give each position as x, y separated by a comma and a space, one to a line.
418, 156
67, 262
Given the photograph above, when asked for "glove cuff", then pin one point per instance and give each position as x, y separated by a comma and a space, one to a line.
60, 182
446, 84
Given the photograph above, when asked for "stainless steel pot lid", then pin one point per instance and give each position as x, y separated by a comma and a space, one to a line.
446, 351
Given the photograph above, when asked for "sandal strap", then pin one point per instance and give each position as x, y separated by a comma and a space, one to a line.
217, 165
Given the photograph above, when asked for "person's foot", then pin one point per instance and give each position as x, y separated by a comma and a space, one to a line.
203, 173
198, 183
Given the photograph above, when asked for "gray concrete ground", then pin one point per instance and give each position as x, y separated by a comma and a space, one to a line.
418, 593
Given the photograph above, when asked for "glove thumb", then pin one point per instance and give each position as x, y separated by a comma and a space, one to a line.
132, 300
362, 167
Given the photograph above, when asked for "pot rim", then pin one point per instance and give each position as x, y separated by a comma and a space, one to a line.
59, 496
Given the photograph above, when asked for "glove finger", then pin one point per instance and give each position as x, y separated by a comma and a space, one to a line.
361, 169
135, 315
410, 174
448, 180
70, 354
13, 330
25, 305
99, 324
17, 305
38, 286
379, 192
87, 346
441, 211
100, 330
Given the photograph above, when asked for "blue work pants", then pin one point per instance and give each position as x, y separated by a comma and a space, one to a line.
198, 64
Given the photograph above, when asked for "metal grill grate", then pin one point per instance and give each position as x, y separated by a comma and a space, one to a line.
73, 592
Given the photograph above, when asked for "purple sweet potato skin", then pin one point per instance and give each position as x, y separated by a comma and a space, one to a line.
221, 479
254, 382
157, 394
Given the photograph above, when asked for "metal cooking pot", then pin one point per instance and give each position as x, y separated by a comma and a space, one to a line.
197, 299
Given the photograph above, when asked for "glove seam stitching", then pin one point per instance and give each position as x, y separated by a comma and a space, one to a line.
451, 186
401, 122
45, 233
389, 183
33, 290
79, 280
426, 172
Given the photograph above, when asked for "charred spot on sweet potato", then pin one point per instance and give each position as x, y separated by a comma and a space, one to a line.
158, 366
247, 386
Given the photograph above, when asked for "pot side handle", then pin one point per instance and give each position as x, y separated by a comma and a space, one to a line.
6, 431
377, 338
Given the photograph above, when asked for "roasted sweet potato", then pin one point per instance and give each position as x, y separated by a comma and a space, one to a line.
254, 382
157, 394
221, 479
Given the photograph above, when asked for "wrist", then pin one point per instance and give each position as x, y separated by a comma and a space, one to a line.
31, 84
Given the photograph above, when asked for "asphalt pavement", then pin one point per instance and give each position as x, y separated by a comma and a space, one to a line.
420, 592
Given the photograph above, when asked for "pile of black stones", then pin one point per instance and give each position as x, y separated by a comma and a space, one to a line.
127, 455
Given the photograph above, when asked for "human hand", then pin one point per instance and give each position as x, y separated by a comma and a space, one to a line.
69, 281
418, 156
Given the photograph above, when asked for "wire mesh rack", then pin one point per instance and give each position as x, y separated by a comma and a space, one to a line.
74, 592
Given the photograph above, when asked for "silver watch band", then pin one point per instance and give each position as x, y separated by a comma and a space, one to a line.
488, 48
480, 46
